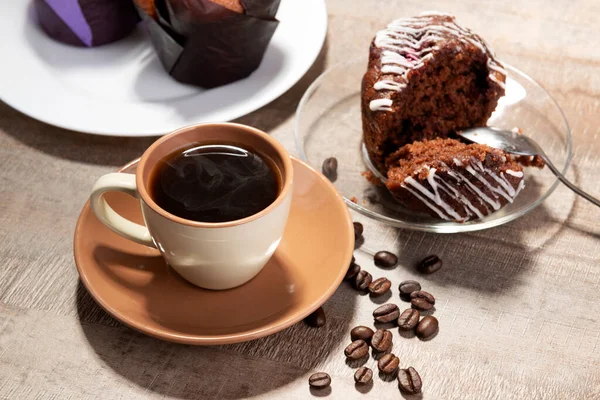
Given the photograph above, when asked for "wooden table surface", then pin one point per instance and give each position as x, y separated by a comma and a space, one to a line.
518, 305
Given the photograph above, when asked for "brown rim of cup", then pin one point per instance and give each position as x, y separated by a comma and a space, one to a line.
287, 174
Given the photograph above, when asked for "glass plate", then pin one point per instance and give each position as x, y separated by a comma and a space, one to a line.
328, 124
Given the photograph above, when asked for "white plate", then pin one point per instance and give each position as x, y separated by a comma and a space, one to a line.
121, 89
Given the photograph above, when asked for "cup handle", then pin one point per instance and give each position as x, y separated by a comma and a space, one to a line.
119, 182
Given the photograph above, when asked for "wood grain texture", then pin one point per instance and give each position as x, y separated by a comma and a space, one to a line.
518, 305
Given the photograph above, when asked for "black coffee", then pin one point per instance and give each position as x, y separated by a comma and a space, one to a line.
214, 183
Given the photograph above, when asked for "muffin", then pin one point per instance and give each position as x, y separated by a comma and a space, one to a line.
86, 23
233, 5
427, 77
210, 43
148, 7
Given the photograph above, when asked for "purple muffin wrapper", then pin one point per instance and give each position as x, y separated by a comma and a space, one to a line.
86, 23
205, 44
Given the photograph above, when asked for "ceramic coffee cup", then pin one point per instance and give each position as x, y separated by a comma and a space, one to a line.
210, 255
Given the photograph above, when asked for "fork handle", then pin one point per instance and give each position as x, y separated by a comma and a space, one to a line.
568, 183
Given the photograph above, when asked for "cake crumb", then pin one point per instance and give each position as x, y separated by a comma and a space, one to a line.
530, 161
527, 161
370, 176
354, 200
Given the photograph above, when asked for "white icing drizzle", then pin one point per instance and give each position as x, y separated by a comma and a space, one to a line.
520, 187
428, 204
496, 185
389, 85
459, 177
493, 189
408, 42
435, 195
482, 197
467, 202
381, 105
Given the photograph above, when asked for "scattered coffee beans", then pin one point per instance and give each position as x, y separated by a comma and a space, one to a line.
363, 375
361, 332
422, 300
430, 264
386, 313
319, 380
329, 168
388, 363
409, 381
357, 350
409, 319
380, 286
381, 340
385, 259
358, 229
427, 327
316, 319
362, 280
353, 270
407, 287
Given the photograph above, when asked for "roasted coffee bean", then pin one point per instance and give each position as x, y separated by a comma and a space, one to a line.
362, 280
363, 375
319, 380
358, 229
381, 340
427, 327
409, 381
329, 168
357, 350
386, 313
421, 300
385, 259
353, 270
361, 332
430, 264
409, 319
407, 287
379, 286
317, 318
388, 363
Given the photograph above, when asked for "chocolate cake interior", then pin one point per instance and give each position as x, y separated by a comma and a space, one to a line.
452, 93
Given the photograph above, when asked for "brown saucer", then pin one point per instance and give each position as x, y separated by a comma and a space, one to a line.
133, 283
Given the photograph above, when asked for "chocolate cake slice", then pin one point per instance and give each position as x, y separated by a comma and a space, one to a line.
427, 77
452, 180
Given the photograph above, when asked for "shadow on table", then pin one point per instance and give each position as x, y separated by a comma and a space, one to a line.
579, 201
584, 231
503, 254
117, 151
230, 372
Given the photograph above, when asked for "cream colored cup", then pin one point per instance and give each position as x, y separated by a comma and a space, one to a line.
210, 255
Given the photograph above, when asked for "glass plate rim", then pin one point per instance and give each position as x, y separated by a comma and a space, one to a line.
452, 227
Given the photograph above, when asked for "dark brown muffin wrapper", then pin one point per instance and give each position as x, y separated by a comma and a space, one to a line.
208, 45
